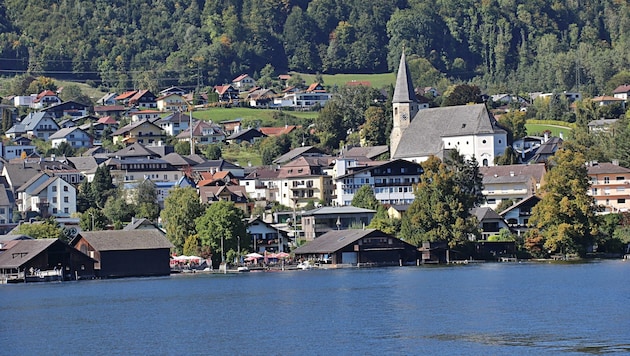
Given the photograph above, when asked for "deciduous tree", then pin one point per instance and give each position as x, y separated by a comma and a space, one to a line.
220, 227
181, 208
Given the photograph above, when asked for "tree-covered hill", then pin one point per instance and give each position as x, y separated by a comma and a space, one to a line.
501, 45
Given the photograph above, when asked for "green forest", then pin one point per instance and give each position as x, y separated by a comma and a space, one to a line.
499, 45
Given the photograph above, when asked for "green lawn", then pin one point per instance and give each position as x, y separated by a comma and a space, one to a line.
376, 80
538, 129
265, 117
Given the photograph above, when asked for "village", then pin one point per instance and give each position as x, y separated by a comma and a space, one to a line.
319, 224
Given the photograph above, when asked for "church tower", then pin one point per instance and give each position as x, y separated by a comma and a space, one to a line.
404, 104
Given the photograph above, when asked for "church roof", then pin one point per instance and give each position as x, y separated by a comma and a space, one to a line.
403, 92
424, 135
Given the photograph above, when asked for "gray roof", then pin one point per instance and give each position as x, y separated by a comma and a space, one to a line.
20, 173
177, 160
297, 152
64, 132
512, 172
424, 135
338, 210
31, 121
335, 240
122, 240
87, 164
23, 251
485, 213
32, 180
5, 238
403, 92
134, 150
365, 152
605, 167
139, 224
44, 185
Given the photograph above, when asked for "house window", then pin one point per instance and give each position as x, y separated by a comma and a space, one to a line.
621, 201
66, 210
606, 180
66, 200
54, 189
54, 210
1, 210
65, 188
54, 200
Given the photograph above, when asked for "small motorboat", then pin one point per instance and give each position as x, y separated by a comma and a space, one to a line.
242, 269
304, 265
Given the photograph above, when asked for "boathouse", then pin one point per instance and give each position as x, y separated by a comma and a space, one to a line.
121, 253
31, 260
357, 247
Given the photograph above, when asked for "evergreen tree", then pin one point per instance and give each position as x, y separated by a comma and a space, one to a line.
364, 198
101, 187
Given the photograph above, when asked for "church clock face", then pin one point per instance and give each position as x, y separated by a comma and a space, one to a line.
404, 116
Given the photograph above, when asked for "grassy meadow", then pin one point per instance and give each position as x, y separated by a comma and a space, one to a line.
556, 130
376, 80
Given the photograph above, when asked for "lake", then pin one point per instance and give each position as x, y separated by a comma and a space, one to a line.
475, 309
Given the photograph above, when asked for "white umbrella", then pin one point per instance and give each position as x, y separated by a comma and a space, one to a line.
254, 255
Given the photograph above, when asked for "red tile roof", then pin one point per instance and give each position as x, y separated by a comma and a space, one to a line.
622, 89
126, 95
277, 131
240, 77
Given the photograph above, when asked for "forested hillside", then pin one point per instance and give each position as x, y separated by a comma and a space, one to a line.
500, 45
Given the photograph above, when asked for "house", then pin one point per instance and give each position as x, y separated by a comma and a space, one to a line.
171, 102
34, 260
218, 165
7, 207
217, 179
227, 94
261, 184
321, 220
23, 100
45, 99
143, 99
135, 169
47, 195
19, 147
243, 82
490, 223
175, 123
261, 98
150, 115
357, 247
470, 129
605, 100
517, 216
203, 132
392, 181
265, 237
37, 124
233, 193
100, 128
278, 131
547, 149
511, 182
74, 136
107, 99
305, 180
571, 97
312, 97
172, 90
123, 99
622, 92
231, 126
304, 151
67, 108
610, 186
396, 211
142, 132
126, 253
86, 165
137, 224
363, 153
249, 135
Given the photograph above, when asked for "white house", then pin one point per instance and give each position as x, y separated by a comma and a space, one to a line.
48, 195
76, 137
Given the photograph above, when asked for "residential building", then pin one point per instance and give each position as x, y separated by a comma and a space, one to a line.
174, 123
511, 182
67, 108
143, 99
610, 186
45, 99
172, 90
315, 95
233, 193
264, 237
107, 99
392, 181
203, 132
304, 180
249, 135
37, 124
622, 92
171, 102
150, 115
142, 132
321, 220
218, 165
243, 82
262, 184
227, 94
304, 151
261, 98
470, 129
74, 136
517, 216
47, 195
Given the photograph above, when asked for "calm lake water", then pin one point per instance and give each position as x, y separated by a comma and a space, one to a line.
482, 309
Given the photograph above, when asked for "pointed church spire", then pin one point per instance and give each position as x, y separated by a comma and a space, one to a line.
403, 92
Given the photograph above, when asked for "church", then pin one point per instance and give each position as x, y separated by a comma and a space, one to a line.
418, 133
